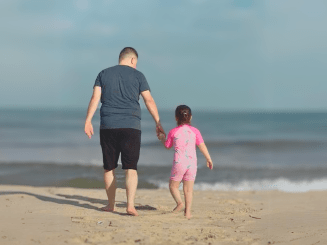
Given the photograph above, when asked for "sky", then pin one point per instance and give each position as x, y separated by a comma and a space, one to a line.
208, 54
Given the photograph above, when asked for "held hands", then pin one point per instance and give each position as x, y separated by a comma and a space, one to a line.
160, 130
88, 129
209, 164
162, 137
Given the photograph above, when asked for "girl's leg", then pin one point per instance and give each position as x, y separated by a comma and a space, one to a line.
173, 187
188, 194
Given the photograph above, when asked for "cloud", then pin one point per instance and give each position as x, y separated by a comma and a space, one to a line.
294, 27
81, 5
197, 2
101, 29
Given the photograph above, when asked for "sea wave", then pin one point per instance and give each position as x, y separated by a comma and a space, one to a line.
297, 179
257, 143
280, 184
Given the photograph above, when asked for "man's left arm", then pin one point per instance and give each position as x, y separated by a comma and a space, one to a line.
93, 105
152, 108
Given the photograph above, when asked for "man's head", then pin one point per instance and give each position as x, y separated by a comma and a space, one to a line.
128, 56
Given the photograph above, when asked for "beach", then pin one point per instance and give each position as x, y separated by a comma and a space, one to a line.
268, 184
62, 215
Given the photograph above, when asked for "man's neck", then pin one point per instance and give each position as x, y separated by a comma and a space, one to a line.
125, 64
129, 61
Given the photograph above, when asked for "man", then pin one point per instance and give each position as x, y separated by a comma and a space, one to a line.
119, 88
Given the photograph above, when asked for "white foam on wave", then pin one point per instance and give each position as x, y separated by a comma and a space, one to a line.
280, 184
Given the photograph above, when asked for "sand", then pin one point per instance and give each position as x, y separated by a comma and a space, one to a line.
50, 215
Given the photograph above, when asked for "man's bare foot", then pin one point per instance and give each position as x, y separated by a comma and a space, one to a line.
178, 208
107, 209
132, 211
188, 215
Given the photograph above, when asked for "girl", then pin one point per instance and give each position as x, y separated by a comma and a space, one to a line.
184, 138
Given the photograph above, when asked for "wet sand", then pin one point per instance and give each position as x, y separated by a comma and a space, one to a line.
51, 215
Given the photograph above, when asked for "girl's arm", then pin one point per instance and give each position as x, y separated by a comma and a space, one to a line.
205, 152
162, 138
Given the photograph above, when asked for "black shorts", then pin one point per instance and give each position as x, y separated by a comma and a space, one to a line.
124, 141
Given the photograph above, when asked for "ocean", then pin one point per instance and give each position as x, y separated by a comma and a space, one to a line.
284, 151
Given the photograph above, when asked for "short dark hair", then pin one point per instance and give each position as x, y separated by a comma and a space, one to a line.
183, 114
127, 51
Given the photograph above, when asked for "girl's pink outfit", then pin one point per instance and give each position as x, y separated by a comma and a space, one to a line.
184, 138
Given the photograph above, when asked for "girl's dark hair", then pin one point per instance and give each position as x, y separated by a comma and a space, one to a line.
183, 114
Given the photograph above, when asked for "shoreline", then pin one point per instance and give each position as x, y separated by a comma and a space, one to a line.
157, 177
56, 215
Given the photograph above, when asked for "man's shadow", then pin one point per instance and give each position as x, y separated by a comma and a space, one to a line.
120, 204
75, 203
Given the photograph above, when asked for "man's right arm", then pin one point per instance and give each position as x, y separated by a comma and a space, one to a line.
93, 105
152, 108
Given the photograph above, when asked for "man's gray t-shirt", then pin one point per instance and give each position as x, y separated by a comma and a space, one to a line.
121, 87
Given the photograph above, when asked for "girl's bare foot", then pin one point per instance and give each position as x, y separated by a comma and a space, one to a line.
178, 208
107, 209
132, 211
188, 215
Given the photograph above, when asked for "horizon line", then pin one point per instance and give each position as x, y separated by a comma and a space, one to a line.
221, 110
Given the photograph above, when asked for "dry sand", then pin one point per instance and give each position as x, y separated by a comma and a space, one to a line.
33, 215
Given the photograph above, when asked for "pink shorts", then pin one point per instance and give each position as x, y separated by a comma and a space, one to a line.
184, 172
